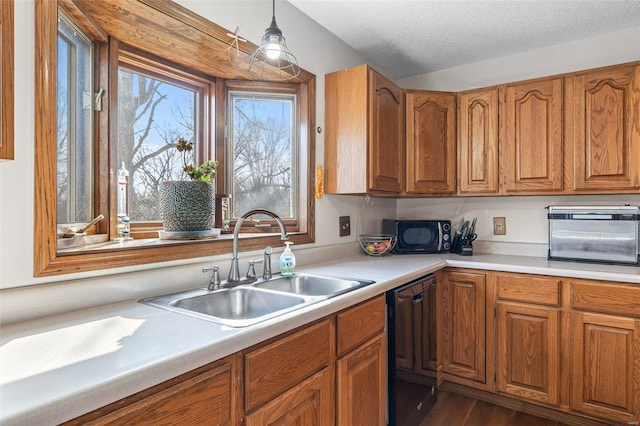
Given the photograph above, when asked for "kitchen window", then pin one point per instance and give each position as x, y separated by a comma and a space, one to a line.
157, 105
117, 104
75, 112
264, 150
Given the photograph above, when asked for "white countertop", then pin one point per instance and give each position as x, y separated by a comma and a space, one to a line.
57, 368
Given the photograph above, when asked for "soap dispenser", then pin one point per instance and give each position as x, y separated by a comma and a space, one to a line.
287, 261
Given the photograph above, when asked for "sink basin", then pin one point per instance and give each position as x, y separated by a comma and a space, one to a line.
248, 304
312, 285
238, 303
236, 307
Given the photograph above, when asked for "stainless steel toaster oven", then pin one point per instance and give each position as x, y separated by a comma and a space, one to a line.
603, 234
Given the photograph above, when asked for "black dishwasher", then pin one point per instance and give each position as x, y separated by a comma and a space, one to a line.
412, 363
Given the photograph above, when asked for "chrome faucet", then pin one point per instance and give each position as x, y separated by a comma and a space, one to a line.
234, 272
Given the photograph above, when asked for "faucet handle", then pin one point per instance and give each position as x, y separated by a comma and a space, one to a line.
266, 269
215, 281
251, 273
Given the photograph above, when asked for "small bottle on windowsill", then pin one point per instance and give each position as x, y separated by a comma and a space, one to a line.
124, 223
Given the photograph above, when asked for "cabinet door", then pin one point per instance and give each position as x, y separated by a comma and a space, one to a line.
431, 142
606, 366
531, 141
362, 384
386, 135
208, 395
478, 142
528, 352
463, 326
606, 107
346, 133
309, 403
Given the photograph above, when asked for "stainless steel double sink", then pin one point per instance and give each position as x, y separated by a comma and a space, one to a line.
248, 304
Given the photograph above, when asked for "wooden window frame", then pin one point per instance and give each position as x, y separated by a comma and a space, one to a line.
292, 225
6, 79
48, 260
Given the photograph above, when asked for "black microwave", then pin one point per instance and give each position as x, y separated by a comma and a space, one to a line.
419, 236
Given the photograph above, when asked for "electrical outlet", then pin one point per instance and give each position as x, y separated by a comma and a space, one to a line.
345, 226
499, 226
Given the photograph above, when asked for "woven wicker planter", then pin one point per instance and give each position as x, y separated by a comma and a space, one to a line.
187, 206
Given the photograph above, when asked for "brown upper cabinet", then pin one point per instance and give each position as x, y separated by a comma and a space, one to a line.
364, 133
574, 133
567, 134
478, 142
511, 139
531, 142
430, 143
603, 106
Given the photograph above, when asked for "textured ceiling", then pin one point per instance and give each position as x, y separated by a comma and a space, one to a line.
411, 37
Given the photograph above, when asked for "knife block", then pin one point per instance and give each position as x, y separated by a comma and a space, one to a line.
463, 246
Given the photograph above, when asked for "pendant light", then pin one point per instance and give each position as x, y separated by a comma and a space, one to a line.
273, 55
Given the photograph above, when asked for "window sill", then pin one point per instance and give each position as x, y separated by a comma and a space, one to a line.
99, 243
109, 254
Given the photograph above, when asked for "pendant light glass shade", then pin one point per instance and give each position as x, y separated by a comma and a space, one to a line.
273, 55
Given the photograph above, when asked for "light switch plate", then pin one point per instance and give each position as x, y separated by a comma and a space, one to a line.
345, 226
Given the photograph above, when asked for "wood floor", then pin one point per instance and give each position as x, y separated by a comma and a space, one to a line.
457, 410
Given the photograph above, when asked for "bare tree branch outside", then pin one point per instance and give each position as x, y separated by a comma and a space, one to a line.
147, 136
264, 153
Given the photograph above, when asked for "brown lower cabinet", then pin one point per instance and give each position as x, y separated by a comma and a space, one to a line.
308, 403
329, 372
528, 328
361, 391
463, 310
205, 396
362, 385
564, 347
605, 342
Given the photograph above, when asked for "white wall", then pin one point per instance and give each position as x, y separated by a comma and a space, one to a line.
23, 297
607, 49
527, 225
526, 218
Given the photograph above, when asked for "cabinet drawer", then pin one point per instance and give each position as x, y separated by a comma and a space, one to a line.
359, 324
606, 297
275, 367
529, 288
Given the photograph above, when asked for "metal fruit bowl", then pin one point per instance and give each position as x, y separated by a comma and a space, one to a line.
377, 244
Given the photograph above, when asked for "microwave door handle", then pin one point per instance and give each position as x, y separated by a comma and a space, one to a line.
440, 236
